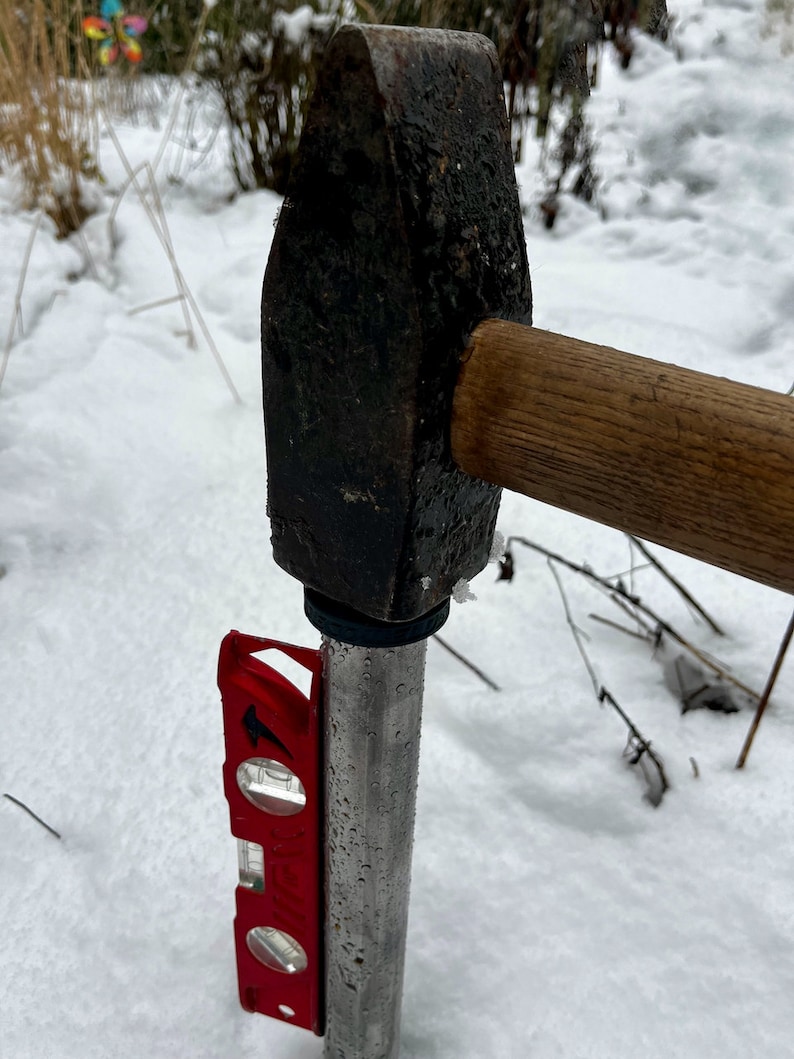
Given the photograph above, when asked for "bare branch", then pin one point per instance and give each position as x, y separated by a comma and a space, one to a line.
469, 665
622, 598
764, 700
652, 632
578, 635
638, 749
155, 305
158, 221
682, 591
30, 812
621, 628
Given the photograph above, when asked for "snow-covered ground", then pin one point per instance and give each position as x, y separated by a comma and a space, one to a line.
554, 912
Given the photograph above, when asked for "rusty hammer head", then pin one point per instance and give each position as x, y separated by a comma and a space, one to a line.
400, 231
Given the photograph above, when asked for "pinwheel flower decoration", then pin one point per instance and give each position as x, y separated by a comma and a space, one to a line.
116, 31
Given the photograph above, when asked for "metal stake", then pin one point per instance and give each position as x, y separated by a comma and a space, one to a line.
373, 710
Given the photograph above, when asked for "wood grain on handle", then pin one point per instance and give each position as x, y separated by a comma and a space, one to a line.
696, 463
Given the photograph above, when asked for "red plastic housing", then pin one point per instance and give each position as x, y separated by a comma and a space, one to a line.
273, 751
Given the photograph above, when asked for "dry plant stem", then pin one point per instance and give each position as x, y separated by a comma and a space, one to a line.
163, 235
189, 139
87, 255
631, 572
169, 244
759, 713
191, 58
682, 591
16, 316
469, 665
47, 125
155, 305
30, 812
606, 696
601, 692
718, 668
651, 631
624, 599
620, 628
114, 209
161, 231
578, 635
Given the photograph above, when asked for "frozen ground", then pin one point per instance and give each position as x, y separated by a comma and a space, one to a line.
554, 912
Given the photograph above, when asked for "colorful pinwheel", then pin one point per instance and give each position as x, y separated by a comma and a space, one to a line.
115, 31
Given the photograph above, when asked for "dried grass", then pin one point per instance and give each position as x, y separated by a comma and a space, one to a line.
48, 132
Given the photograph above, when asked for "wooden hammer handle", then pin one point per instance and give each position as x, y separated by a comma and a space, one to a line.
698, 464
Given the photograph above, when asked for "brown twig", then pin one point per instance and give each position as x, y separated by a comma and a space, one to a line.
30, 812
631, 571
469, 665
620, 628
764, 700
638, 746
578, 634
651, 631
682, 591
718, 668
654, 635
621, 597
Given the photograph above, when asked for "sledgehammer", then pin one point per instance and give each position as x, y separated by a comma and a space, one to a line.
403, 386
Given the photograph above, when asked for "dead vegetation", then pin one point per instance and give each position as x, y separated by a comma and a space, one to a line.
696, 679
48, 132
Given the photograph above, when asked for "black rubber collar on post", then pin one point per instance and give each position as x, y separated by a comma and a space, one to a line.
339, 622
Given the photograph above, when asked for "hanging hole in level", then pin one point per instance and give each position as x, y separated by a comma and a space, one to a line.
271, 786
277, 950
286, 1011
295, 673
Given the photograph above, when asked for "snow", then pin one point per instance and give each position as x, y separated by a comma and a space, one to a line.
498, 544
296, 26
461, 591
554, 912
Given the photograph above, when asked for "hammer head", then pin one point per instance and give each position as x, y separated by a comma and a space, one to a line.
400, 231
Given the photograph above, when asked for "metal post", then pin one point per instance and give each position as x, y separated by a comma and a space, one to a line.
373, 710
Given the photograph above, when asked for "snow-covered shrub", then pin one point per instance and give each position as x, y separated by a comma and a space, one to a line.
47, 133
549, 52
544, 45
262, 57
170, 35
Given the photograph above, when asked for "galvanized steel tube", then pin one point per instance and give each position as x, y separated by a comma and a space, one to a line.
373, 710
